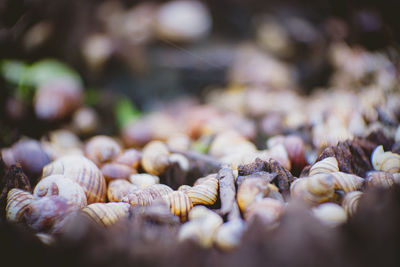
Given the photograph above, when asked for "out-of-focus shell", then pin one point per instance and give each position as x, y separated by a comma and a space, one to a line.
17, 203
205, 192
350, 202
62, 142
184, 188
229, 234
294, 146
385, 161
106, 214
118, 189
313, 190
130, 157
45, 238
347, 182
330, 214
201, 227
114, 171
326, 165
143, 180
101, 149
49, 213
268, 210
145, 197
396, 177
155, 158
82, 171
379, 179
181, 160
229, 143
179, 203
59, 185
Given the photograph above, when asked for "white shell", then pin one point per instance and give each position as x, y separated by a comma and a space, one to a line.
229, 234
324, 166
330, 214
385, 161
143, 180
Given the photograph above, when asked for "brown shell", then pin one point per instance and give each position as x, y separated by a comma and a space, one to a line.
268, 210
205, 192
106, 214
294, 146
82, 171
130, 157
114, 171
59, 185
145, 197
379, 179
101, 149
179, 203
385, 161
313, 190
17, 203
326, 165
351, 201
347, 182
155, 157
118, 189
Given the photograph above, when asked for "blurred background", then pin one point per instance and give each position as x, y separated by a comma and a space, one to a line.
151, 53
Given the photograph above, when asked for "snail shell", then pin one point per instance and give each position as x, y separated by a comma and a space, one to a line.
143, 180
46, 238
396, 177
313, 190
385, 161
379, 179
179, 203
118, 189
145, 197
101, 149
114, 171
294, 146
229, 234
202, 226
130, 157
205, 192
106, 214
17, 203
59, 185
181, 160
351, 201
268, 210
184, 188
155, 158
326, 165
347, 182
49, 213
330, 214
82, 171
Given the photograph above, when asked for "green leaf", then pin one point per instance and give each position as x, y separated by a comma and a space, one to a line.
125, 112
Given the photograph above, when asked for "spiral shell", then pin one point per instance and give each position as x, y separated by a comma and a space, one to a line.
143, 180
59, 185
268, 210
313, 190
49, 213
379, 179
155, 158
114, 171
326, 165
101, 149
385, 161
82, 171
330, 214
205, 192
184, 188
118, 189
201, 227
106, 214
229, 234
130, 157
347, 182
181, 160
145, 197
179, 203
17, 203
351, 201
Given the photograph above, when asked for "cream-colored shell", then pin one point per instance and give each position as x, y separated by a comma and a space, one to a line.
143, 180
347, 182
330, 214
155, 157
351, 201
385, 161
179, 203
106, 214
268, 210
313, 190
229, 234
379, 179
145, 197
205, 192
326, 165
118, 189
17, 203
101, 149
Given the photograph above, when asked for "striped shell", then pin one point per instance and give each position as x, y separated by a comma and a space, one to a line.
351, 201
205, 192
59, 185
330, 214
118, 189
268, 210
101, 149
379, 179
385, 161
229, 234
313, 190
324, 166
155, 157
17, 203
82, 171
130, 157
184, 188
179, 203
347, 182
145, 197
143, 180
114, 171
106, 214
